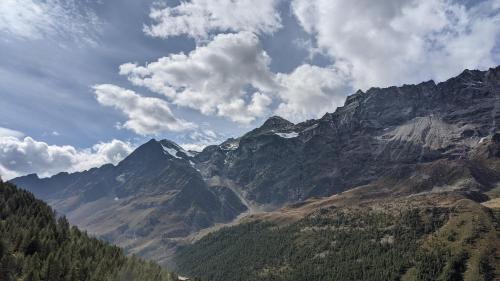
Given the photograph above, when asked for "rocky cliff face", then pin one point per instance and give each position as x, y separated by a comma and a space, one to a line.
375, 133
415, 138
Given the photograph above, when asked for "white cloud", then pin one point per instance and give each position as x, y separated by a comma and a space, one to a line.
198, 18
5, 132
106, 152
228, 77
20, 156
241, 112
146, 115
311, 91
395, 42
370, 43
33, 19
194, 146
7, 174
201, 138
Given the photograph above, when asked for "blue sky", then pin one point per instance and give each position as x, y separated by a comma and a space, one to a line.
84, 82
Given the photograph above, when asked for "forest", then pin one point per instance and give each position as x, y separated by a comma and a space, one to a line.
37, 244
428, 243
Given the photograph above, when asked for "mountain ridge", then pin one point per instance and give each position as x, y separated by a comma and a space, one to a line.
407, 137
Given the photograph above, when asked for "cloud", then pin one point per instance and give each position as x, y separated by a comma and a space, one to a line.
31, 19
23, 156
198, 18
402, 41
5, 132
194, 146
6, 174
311, 91
228, 77
369, 44
242, 112
107, 152
199, 139
146, 115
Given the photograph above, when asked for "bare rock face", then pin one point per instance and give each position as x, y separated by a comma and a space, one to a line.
372, 134
415, 138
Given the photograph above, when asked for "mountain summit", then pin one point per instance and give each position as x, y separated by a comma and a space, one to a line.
155, 193
275, 123
398, 141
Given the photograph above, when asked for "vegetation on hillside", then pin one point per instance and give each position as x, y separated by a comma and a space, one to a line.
35, 244
417, 243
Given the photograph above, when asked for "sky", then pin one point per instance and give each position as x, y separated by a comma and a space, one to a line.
84, 82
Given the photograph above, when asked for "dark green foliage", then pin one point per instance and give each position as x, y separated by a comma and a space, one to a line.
329, 245
437, 263
36, 245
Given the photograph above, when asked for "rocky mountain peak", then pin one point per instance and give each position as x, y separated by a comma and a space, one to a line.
418, 138
493, 74
354, 97
272, 124
150, 151
275, 123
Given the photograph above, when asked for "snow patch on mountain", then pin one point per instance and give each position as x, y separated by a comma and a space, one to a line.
187, 153
170, 151
121, 178
288, 135
230, 145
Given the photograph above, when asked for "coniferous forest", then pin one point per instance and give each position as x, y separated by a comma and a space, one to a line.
36, 244
419, 243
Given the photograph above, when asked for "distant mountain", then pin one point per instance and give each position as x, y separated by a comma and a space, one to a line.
154, 194
397, 141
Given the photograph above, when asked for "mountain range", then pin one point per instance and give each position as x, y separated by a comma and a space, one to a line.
397, 142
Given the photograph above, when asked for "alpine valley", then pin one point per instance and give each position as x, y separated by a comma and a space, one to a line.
401, 183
